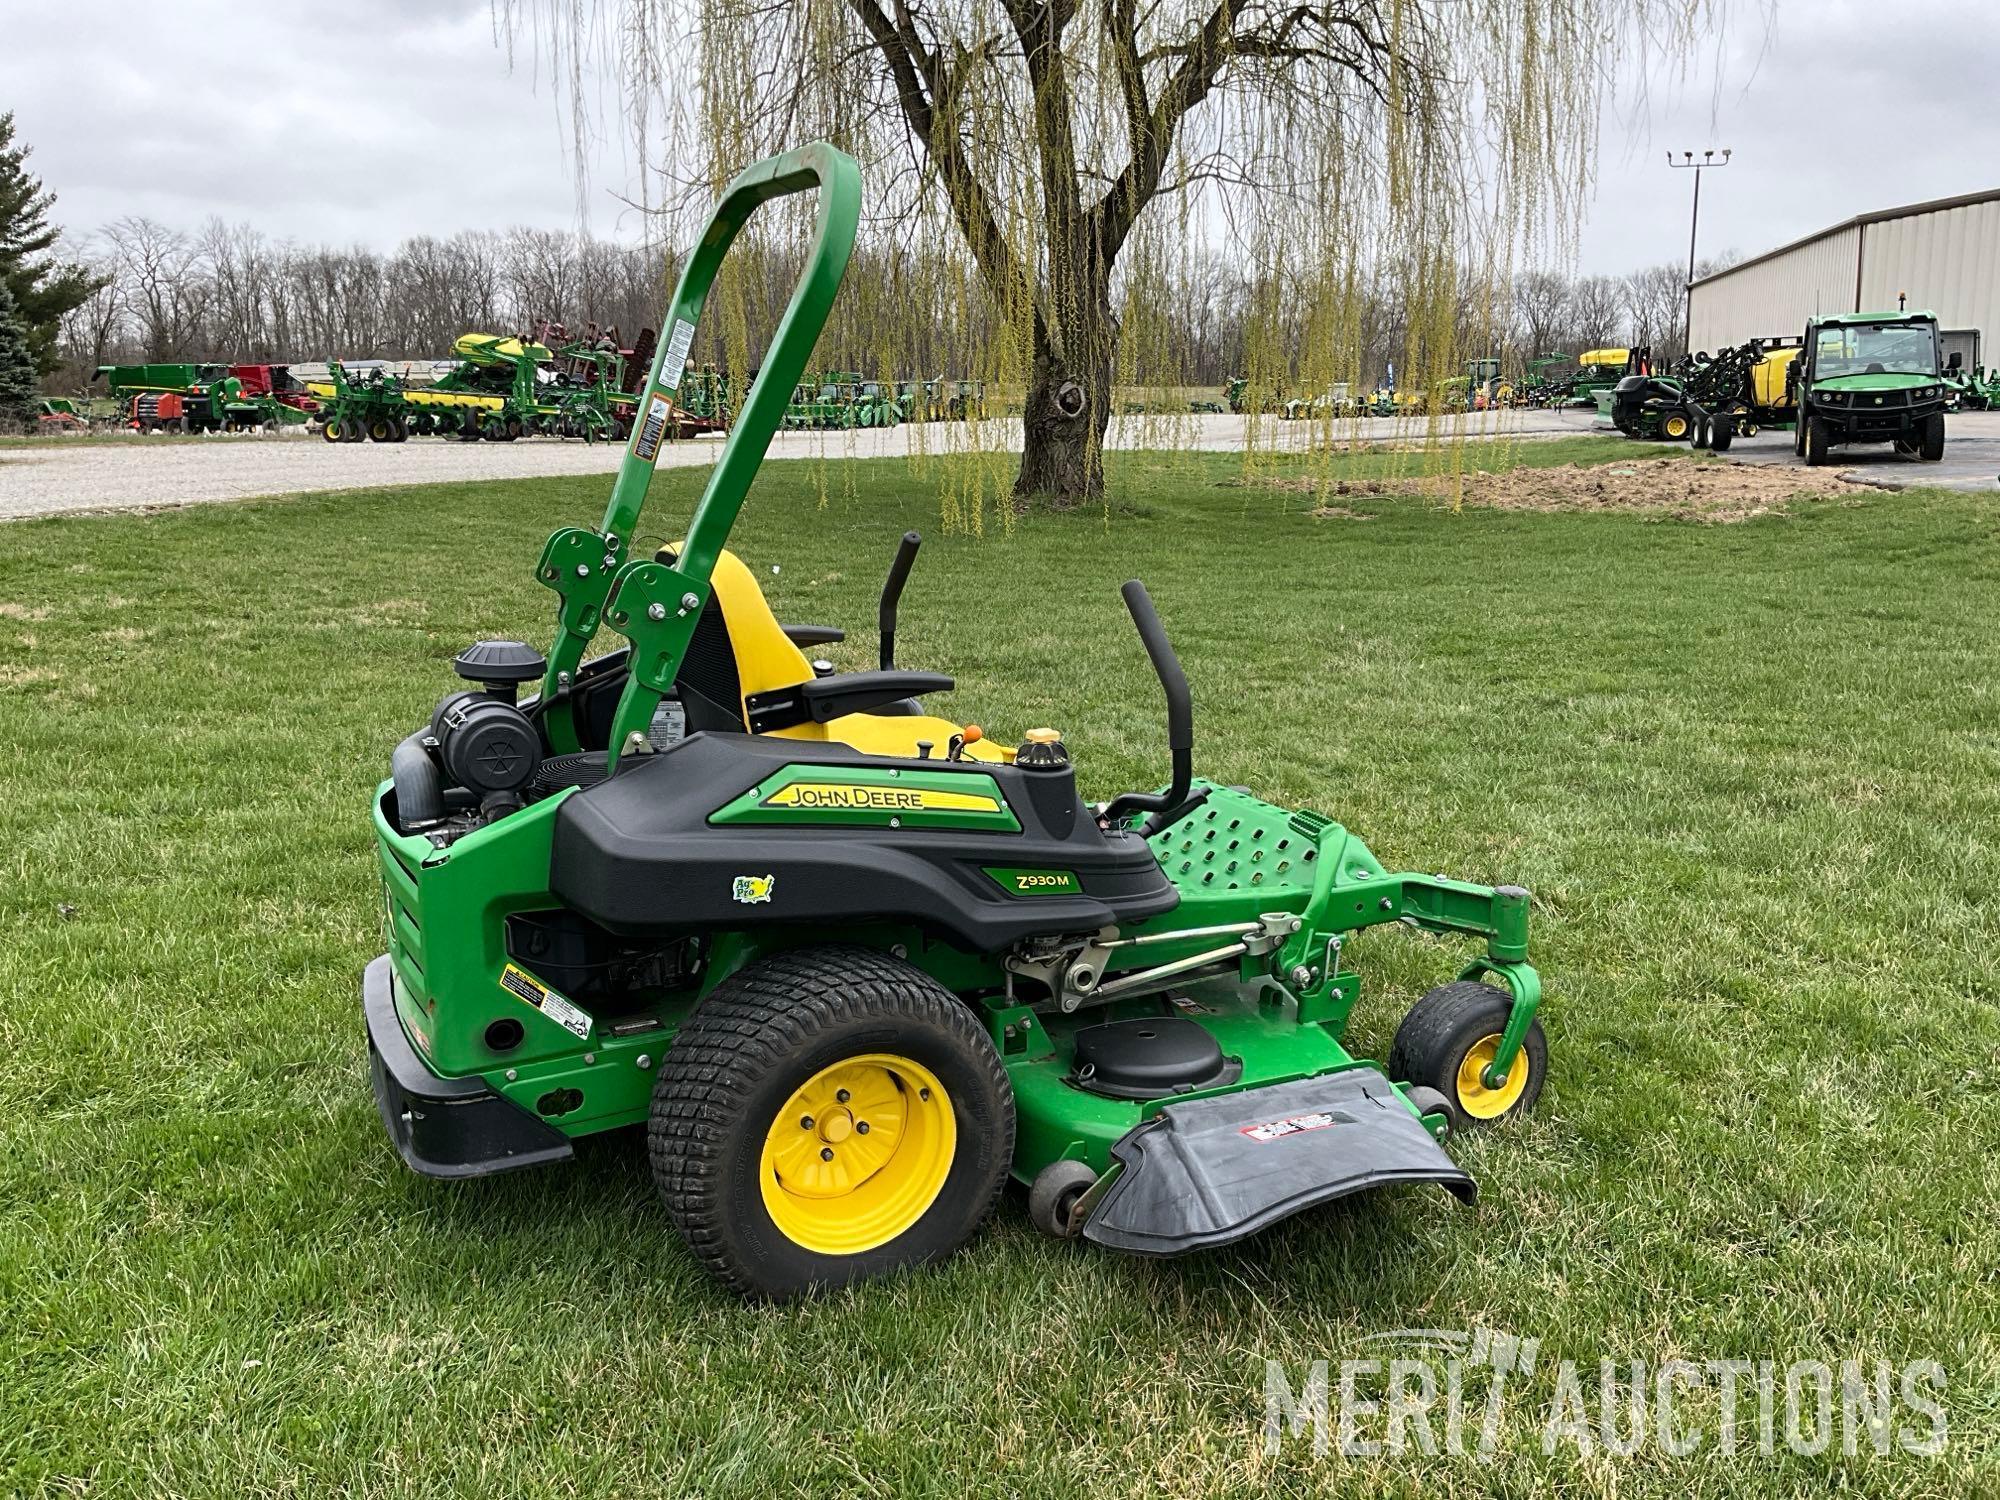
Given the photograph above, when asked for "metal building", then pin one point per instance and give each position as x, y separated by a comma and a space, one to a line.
1945, 255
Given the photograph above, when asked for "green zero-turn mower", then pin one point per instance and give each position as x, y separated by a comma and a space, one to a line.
853, 965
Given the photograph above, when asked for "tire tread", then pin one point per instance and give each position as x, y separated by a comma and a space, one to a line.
747, 1027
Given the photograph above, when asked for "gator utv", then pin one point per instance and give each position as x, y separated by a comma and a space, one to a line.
852, 965
1870, 378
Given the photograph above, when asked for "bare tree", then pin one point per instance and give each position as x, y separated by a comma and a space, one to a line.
90, 330
163, 282
1655, 300
240, 272
1543, 311
1597, 312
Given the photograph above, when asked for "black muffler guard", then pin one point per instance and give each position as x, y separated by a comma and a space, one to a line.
1212, 1171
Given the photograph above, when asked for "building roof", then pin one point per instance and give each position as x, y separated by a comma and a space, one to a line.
1880, 215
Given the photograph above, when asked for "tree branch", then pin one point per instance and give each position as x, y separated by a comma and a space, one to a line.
926, 94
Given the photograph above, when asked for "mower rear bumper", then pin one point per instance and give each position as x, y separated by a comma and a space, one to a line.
1215, 1170
444, 1127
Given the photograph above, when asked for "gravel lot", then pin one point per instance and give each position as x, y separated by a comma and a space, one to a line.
137, 473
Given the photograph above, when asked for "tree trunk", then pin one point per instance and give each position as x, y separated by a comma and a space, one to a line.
1064, 418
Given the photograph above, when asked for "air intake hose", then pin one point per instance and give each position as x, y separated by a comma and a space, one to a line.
419, 789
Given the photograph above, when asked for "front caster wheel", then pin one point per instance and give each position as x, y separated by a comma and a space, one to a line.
1429, 1102
828, 1115
1053, 1195
1450, 1037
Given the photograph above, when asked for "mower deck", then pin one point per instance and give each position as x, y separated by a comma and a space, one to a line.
1211, 1171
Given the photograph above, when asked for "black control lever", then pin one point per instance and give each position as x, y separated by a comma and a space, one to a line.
892, 593
1165, 806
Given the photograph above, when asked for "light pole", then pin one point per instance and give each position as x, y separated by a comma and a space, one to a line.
1694, 222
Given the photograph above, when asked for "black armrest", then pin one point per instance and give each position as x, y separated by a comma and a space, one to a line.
814, 635
822, 699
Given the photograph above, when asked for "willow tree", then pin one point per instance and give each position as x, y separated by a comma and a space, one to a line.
1089, 156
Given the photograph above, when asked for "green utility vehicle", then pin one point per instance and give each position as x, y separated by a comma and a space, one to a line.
852, 964
1870, 378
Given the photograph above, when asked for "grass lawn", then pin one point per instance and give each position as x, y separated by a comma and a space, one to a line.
1751, 773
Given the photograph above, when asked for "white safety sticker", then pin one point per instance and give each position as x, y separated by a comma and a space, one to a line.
647, 444
677, 353
566, 1015
522, 985
1277, 1130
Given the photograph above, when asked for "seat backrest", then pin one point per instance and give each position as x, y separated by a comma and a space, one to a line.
739, 648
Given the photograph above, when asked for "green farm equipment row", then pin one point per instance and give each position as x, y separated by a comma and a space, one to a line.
502, 389
205, 397
836, 399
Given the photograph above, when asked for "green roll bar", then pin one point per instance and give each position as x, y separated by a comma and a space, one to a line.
655, 605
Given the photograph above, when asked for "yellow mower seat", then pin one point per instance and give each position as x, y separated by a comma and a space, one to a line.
768, 661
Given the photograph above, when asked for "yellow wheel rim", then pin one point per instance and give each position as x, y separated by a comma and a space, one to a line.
1474, 1097
858, 1154
1677, 427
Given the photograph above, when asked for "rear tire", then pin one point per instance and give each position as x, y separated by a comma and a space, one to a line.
1447, 1038
1675, 426
793, 1027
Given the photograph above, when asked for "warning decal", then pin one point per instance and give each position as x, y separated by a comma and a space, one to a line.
647, 443
1277, 1130
524, 986
677, 353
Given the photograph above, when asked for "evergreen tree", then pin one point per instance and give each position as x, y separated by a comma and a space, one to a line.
19, 380
43, 287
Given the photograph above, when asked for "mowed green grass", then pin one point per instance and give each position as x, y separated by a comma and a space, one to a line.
1751, 774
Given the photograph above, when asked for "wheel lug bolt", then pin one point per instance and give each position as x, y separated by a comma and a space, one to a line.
806, 1123
924, 1094
826, 1153
861, 1127
841, 1096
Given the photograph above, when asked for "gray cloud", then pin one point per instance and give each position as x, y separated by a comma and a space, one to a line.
372, 120
1834, 108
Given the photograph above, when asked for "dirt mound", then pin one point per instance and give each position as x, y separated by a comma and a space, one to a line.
1669, 488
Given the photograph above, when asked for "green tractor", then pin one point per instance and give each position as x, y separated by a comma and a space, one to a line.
1870, 378
853, 965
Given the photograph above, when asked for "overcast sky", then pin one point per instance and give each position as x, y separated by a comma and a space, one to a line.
371, 120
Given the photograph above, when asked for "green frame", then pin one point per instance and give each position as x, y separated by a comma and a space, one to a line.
655, 605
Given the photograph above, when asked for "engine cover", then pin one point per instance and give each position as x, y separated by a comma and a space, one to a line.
646, 852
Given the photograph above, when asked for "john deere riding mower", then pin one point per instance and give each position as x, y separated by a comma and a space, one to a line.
854, 965
1870, 378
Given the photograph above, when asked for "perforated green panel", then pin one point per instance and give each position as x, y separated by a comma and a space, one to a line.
1234, 842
